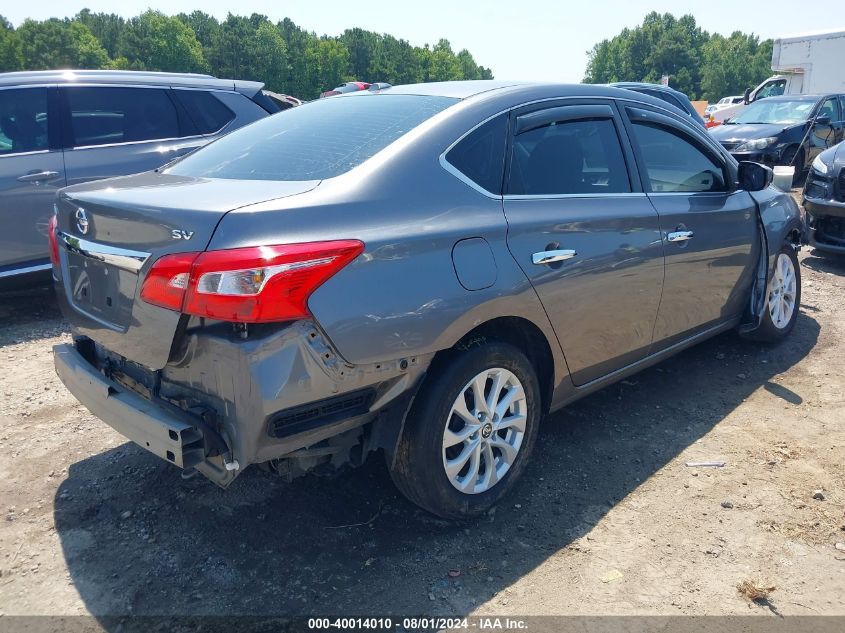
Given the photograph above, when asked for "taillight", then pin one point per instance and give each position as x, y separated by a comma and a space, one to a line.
167, 282
249, 285
54, 242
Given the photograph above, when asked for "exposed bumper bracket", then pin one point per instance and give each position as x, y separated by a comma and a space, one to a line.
151, 427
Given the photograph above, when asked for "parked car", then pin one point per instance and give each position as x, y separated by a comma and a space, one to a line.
64, 127
824, 200
787, 130
665, 93
427, 285
349, 86
354, 86
724, 102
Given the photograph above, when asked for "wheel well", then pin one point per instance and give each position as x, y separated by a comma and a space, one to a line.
794, 237
526, 336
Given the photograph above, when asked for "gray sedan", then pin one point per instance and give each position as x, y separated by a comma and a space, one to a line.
422, 271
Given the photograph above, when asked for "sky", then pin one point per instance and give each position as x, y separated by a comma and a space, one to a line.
518, 39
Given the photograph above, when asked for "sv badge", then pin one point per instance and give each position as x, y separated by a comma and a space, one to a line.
179, 234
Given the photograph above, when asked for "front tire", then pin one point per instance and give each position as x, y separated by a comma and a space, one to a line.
470, 431
783, 297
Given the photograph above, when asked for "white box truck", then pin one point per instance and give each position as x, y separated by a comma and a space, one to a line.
811, 63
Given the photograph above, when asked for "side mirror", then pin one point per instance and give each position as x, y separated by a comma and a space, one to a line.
823, 119
746, 98
754, 176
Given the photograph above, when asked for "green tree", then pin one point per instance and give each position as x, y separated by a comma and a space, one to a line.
205, 27
298, 83
363, 47
469, 69
154, 41
443, 65
58, 43
250, 48
284, 56
701, 65
11, 56
734, 63
326, 63
106, 27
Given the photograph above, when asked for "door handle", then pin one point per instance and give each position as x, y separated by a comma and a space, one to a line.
680, 236
550, 257
38, 176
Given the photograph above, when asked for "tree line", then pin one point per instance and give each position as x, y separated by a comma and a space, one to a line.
702, 65
287, 58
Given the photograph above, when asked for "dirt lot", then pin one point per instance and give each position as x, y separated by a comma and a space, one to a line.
608, 518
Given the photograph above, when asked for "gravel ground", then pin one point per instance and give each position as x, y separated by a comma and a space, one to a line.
607, 520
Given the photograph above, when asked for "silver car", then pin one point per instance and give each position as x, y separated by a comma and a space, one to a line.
422, 271
65, 127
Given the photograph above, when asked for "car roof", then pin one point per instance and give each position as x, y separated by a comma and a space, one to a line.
454, 89
131, 77
490, 87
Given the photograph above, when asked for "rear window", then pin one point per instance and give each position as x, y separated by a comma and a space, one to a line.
318, 140
206, 111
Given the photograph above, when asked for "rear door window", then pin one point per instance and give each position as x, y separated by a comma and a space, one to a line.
674, 163
321, 139
480, 155
568, 157
207, 112
108, 115
23, 120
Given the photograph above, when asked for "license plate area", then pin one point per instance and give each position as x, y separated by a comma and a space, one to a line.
101, 290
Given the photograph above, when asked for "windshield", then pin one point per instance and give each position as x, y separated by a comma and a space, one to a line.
780, 112
318, 140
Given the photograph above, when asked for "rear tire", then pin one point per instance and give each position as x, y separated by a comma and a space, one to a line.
459, 454
783, 298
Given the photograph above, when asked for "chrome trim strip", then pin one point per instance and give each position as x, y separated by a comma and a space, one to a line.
558, 196
32, 152
151, 141
445, 164
121, 257
23, 271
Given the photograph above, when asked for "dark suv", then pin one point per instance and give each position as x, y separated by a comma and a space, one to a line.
64, 127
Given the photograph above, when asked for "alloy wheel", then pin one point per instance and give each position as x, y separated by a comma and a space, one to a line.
485, 430
782, 292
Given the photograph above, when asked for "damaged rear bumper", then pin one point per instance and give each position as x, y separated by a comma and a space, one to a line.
227, 402
161, 432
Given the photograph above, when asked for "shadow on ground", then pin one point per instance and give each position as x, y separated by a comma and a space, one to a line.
824, 262
140, 540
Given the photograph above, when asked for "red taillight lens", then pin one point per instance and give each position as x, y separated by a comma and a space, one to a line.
250, 285
167, 282
54, 242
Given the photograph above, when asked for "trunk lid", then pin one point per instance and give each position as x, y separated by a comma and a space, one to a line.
112, 231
